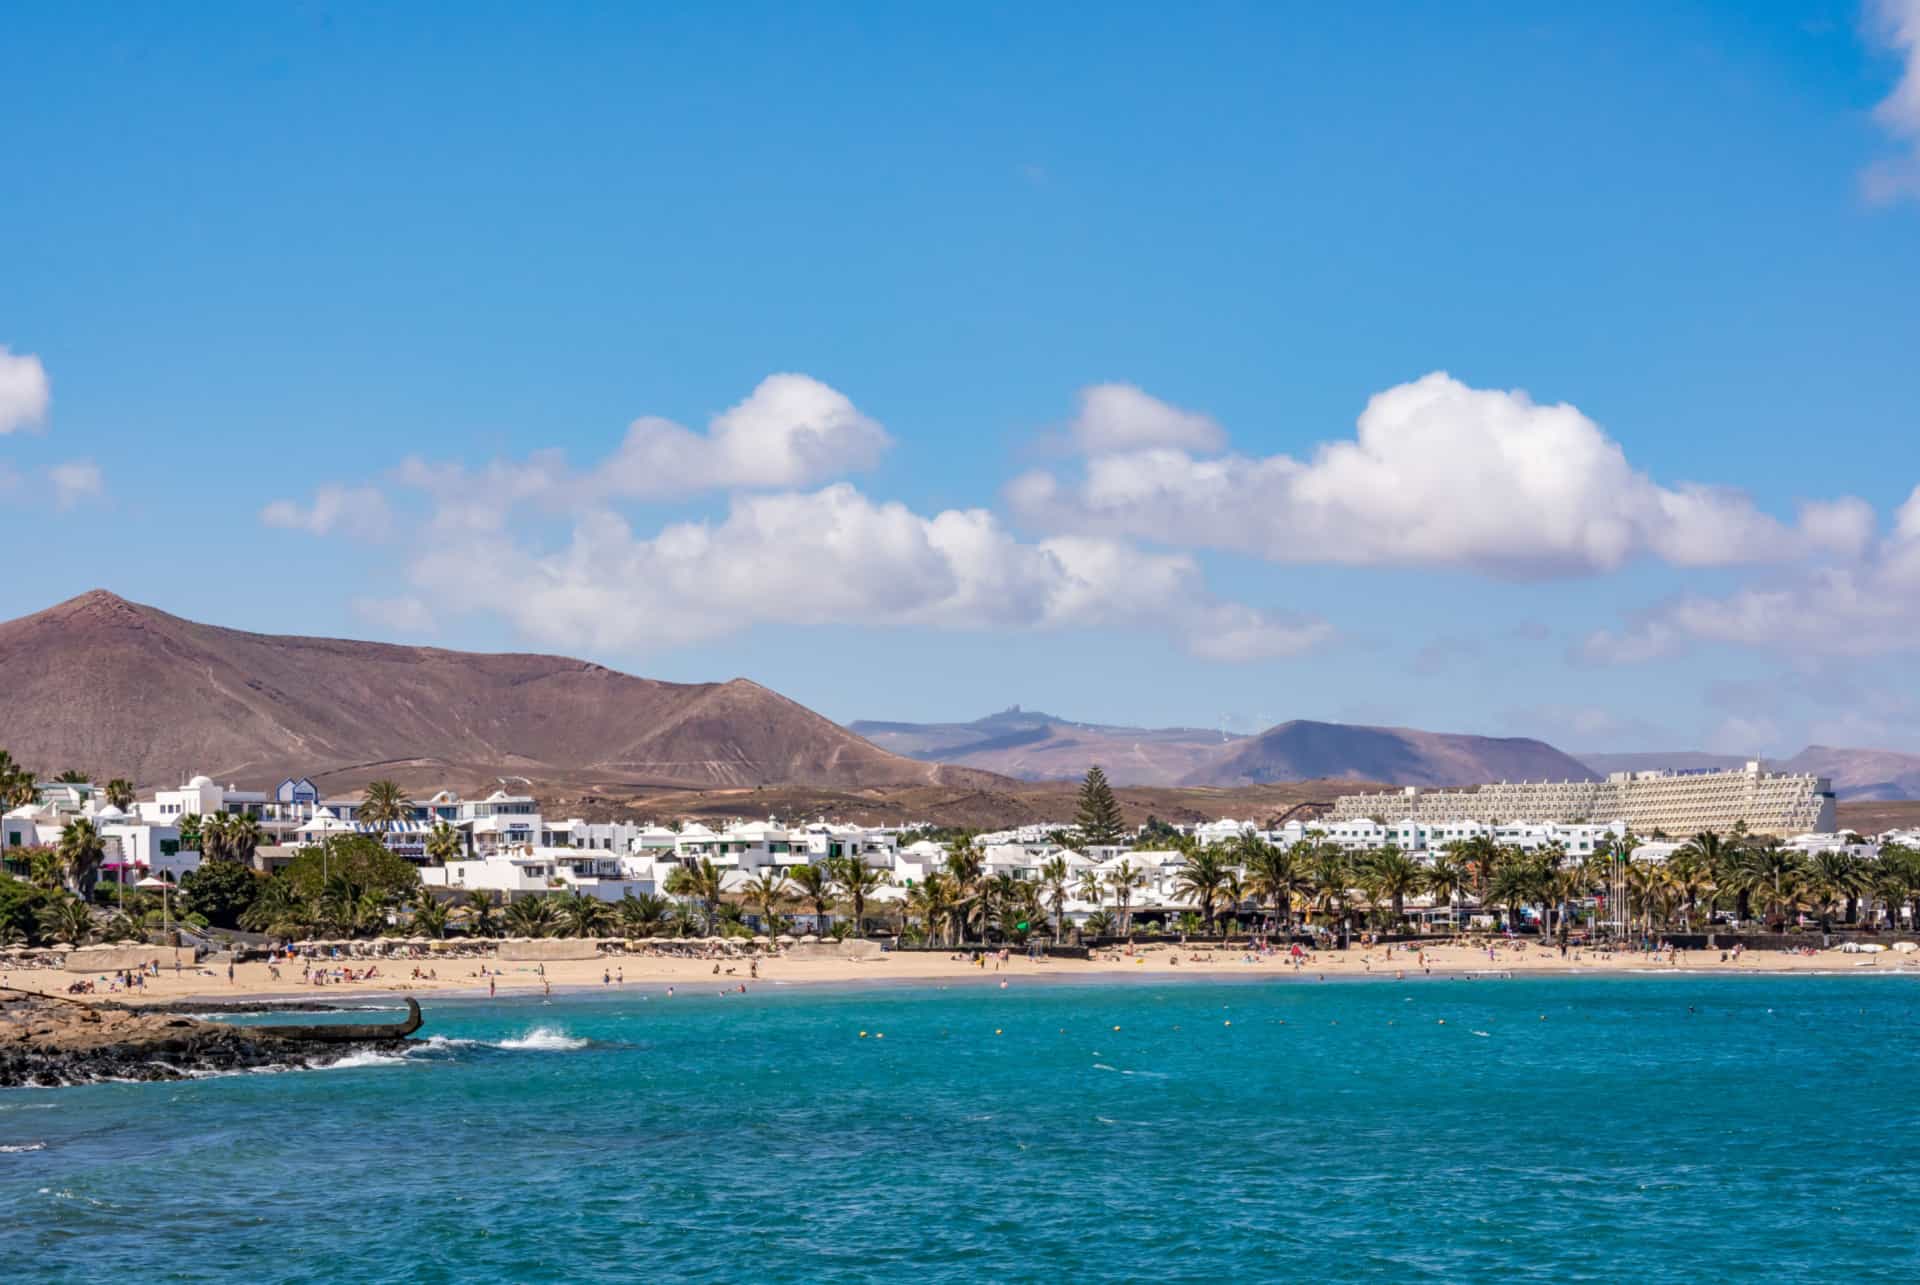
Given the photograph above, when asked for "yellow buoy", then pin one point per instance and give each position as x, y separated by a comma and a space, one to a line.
1116, 1028
863, 1035
996, 1030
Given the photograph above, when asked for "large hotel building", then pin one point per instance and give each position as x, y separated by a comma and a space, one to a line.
1673, 803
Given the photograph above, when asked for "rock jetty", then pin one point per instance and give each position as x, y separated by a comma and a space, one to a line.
46, 1041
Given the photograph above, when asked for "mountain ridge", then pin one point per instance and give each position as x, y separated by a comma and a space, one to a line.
115, 687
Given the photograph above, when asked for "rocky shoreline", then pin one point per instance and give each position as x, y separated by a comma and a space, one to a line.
47, 1041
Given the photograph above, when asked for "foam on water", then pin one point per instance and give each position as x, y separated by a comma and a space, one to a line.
545, 1039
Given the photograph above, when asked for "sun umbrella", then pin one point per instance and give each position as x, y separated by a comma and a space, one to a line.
809, 940
763, 941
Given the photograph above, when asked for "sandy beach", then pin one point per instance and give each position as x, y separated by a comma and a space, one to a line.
1158, 963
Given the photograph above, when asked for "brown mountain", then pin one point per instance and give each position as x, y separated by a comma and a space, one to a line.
1300, 750
115, 688
1032, 746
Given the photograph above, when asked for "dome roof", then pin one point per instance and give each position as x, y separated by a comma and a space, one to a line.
199, 781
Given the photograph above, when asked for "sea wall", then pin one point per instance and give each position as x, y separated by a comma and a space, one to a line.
549, 950
850, 949
111, 959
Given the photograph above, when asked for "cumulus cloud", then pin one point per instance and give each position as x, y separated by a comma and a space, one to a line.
1438, 474
74, 481
835, 556
25, 391
357, 511
791, 431
1896, 23
1866, 608
1120, 417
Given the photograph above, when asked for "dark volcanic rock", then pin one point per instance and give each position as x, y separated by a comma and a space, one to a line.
46, 1041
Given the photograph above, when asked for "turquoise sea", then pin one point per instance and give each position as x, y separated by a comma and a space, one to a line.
1684, 1128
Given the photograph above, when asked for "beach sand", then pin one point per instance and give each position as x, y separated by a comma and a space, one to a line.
1155, 962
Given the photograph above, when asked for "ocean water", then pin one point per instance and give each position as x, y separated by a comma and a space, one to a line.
1697, 1128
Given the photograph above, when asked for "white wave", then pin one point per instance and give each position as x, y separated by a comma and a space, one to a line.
1102, 1066
544, 1039
8, 1148
439, 1042
364, 1058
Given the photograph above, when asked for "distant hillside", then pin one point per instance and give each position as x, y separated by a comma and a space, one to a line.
1037, 747
1032, 746
1861, 774
1397, 755
114, 688
1856, 774
1664, 760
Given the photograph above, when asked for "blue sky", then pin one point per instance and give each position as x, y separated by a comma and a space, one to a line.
916, 362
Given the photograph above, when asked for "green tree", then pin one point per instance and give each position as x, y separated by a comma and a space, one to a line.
703, 883
1391, 875
221, 891
1097, 821
444, 844
932, 901
856, 881
531, 917
1123, 879
429, 917
364, 863
1054, 880
1201, 879
73, 776
581, 913
81, 851
190, 837
479, 909
120, 792
1278, 877
642, 915
814, 885
66, 919
767, 892
384, 801
20, 906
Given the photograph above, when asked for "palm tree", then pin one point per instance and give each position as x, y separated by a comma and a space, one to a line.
1897, 882
212, 833
1690, 874
932, 902
120, 792
1123, 880
1278, 876
444, 844
856, 881
1100, 924
532, 917
1832, 878
1773, 874
1054, 877
241, 838
702, 882
81, 852
813, 884
279, 910
190, 840
73, 776
67, 920
581, 914
641, 916
1448, 876
1332, 878
44, 868
768, 891
479, 908
383, 802
429, 916
1201, 878
1391, 874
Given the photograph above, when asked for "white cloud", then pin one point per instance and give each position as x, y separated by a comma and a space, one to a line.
357, 511
74, 481
1438, 474
406, 615
1896, 23
835, 556
25, 391
1120, 417
1865, 608
1843, 526
790, 431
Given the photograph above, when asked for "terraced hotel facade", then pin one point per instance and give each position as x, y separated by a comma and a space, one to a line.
1675, 803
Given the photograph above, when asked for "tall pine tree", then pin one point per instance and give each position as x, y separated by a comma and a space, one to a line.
1098, 820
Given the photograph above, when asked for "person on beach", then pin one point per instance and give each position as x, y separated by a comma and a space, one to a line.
491, 987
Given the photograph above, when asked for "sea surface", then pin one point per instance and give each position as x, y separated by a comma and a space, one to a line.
1685, 1128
